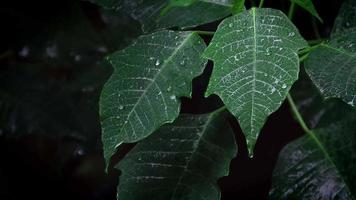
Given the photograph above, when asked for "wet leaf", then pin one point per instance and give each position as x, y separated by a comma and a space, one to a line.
149, 78
256, 62
182, 160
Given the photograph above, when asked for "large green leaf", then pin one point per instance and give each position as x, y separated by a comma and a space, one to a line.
256, 62
182, 160
149, 12
308, 6
143, 92
320, 165
332, 67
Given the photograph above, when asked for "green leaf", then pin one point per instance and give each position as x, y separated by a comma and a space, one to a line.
256, 62
182, 160
238, 7
332, 67
142, 93
346, 17
149, 12
320, 165
308, 6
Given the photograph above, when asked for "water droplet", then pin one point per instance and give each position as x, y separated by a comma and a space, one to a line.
172, 97
347, 24
169, 88
24, 51
230, 25
284, 86
125, 122
273, 90
280, 48
182, 62
121, 107
265, 74
157, 62
291, 34
351, 103
77, 58
152, 58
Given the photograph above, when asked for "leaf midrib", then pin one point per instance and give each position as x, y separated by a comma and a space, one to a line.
154, 79
254, 69
207, 123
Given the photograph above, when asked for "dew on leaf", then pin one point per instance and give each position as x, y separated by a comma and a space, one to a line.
157, 62
284, 86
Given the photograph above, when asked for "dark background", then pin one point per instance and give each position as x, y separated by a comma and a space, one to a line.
51, 74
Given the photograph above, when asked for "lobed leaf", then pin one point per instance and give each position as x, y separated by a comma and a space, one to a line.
142, 93
256, 62
182, 160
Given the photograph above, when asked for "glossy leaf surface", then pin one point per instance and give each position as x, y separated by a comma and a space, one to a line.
256, 62
182, 160
143, 92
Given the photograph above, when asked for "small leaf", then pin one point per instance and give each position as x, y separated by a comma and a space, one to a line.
238, 7
320, 165
182, 160
346, 18
332, 67
256, 62
143, 92
308, 6
160, 14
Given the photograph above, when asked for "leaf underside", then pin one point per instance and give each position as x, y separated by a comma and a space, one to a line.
182, 160
256, 62
143, 92
332, 66
149, 12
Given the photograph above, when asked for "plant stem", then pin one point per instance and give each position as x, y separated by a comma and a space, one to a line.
309, 49
261, 3
205, 32
297, 114
291, 11
303, 58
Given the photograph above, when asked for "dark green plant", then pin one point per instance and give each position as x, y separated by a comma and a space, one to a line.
257, 55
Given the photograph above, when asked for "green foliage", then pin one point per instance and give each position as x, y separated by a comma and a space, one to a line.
182, 160
143, 92
332, 66
153, 14
256, 62
320, 165
308, 6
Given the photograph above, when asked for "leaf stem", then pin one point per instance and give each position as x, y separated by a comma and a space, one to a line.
291, 11
261, 3
297, 114
309, 49
205, 32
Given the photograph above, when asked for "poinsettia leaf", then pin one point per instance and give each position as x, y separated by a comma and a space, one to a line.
153, 14
143, 92
182, 160
256, 62
320, 165
332, 67
308, 6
